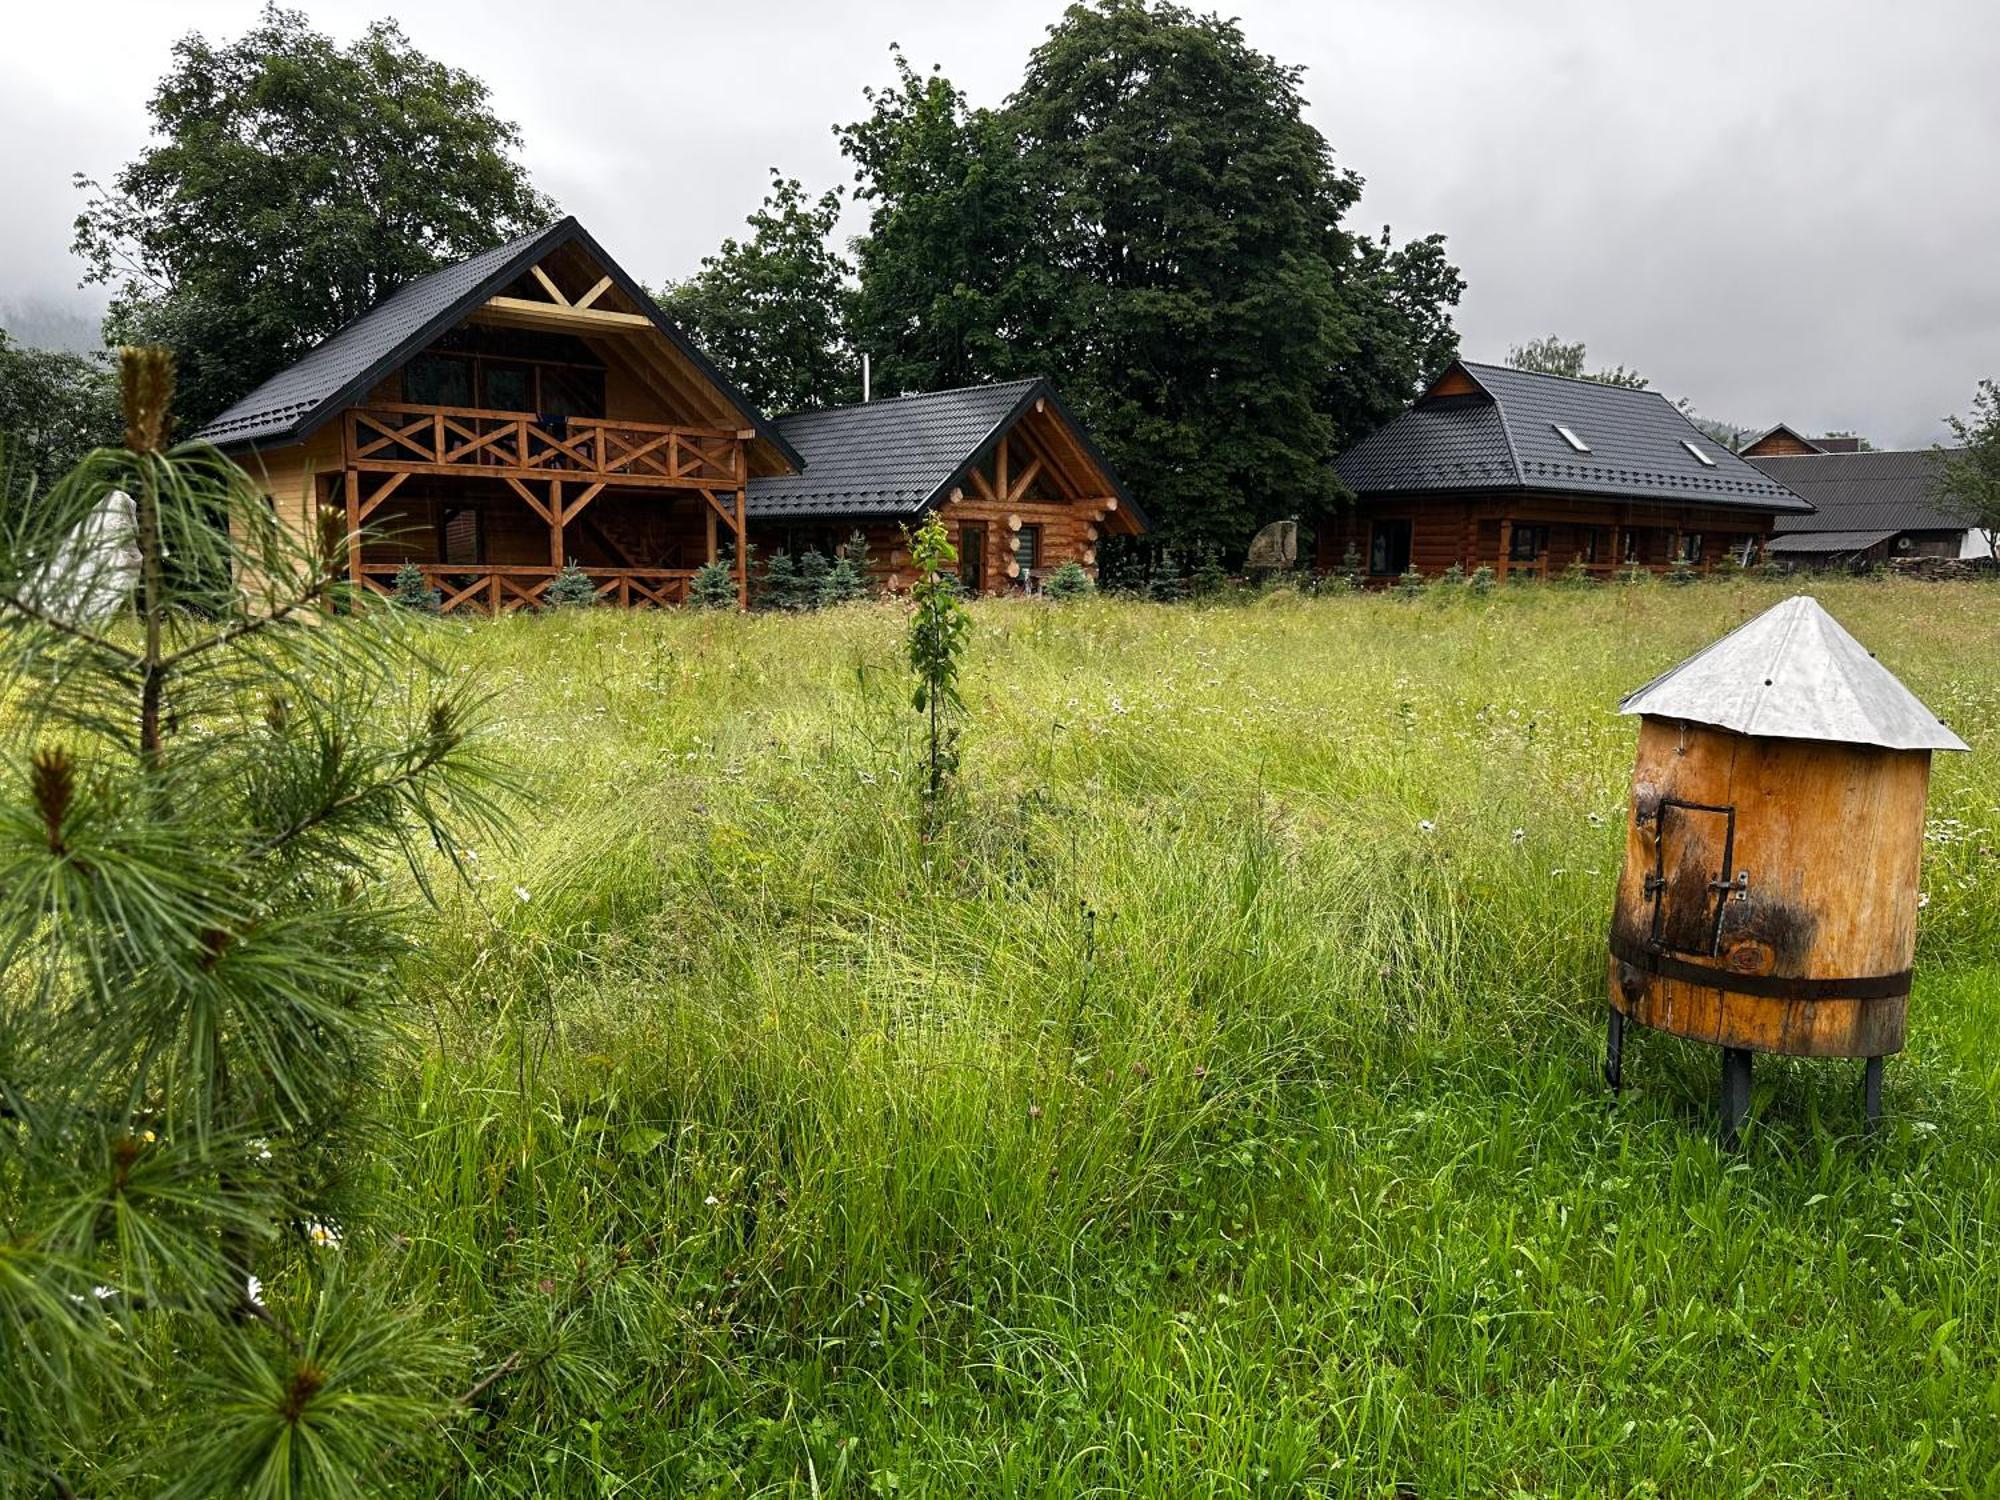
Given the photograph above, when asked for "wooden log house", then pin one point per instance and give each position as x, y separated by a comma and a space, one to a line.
527, 407
1527, 474
1015, 477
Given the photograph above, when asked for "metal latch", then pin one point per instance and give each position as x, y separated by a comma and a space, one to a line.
1740, 886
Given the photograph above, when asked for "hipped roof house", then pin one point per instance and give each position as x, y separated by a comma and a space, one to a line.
1493, 466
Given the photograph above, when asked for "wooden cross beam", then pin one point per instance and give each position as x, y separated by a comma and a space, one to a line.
592, 295
549, 286
389, 487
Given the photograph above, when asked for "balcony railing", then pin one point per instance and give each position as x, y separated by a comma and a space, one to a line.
395, 436
498, 589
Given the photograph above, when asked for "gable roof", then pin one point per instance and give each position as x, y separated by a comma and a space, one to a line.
1856, 492
1794, 673
1780, 430
339, 371
901, 456
1502, 435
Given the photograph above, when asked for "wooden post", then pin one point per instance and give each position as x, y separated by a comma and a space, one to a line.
354, 531
1506, 547
711, 531
742, 549
555, 524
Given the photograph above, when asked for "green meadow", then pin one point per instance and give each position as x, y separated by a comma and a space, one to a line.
1211, 1107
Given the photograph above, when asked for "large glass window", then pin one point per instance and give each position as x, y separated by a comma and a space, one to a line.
506, 387
1528, 543
1388, 547
438, 380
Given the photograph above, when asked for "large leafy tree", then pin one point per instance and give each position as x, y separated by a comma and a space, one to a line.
54, 408
772, 308
295, 183
1553, 355
1152, 221
1969, 475
945, 269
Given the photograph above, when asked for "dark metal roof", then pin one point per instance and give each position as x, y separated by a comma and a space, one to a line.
1885, 492
301, 398
1503, 437
1816, 543
900, 456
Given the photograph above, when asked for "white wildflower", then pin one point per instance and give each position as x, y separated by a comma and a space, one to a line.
711, 1200
323, 1235
1427, 826
261, 1149
254, 1290
1520, 835
1923, 899
521, 893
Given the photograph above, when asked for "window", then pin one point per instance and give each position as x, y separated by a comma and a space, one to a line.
505, 387
1629, 549
1745, 548
1690, 547
568, 391
438, 380
971, 558
1528, 543
460, 536
1388, 547
1569, 436
1696, 451
1028, 552
1591, 548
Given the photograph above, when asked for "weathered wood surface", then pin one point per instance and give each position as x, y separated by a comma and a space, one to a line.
1831, 839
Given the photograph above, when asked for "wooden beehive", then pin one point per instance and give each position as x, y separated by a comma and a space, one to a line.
1769, 897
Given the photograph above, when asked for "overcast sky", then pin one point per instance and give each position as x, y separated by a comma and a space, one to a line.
1781, 211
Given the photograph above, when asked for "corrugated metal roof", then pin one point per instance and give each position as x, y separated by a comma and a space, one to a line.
1507, 439
1863, 491
1794, 673
292, 404
896, 457
1817, 542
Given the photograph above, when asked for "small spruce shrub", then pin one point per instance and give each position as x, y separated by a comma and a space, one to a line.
813, 571
1410, 585
1209, 576
1577, 575
412, 592
843, 583
1166, 587
570, 589
1482, 580
1452, 577
780, 588
1681, 572
1068, 582
1349, 572
713, 585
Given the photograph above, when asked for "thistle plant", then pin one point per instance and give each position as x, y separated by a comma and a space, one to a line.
936, 645
209, 759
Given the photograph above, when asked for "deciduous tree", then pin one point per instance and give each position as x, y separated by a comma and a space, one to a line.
54, 408
297, 181
772, 309
1969, 476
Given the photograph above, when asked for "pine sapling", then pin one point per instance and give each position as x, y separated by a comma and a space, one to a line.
936, 644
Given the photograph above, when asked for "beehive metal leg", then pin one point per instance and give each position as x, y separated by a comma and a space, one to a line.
1735, 1093
1614, 1049
1871, 1091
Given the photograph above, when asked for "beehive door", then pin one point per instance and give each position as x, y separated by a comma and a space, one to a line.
1694, 849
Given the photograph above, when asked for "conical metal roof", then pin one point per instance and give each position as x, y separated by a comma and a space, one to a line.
1793, 673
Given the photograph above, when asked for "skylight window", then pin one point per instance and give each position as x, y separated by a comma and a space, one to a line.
1700, 456
1569, 436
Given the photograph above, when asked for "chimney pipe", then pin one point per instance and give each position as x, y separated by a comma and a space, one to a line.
865, 394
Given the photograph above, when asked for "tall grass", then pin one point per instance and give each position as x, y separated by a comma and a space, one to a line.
1210, 1107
